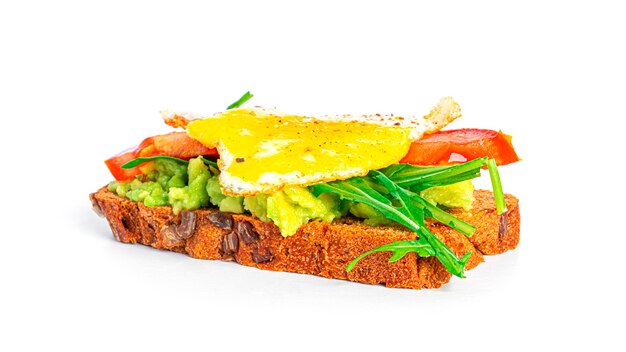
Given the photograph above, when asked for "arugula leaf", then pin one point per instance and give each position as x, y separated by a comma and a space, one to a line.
399, 249
418, 178
356, 189
139, 161
442, 252
405, 173
244, 98
407, 213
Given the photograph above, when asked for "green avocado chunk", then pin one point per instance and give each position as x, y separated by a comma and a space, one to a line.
223, 202
295, 206
194, 195
457, 195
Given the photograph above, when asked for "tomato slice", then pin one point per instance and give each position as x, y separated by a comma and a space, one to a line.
115, 164
176, 144
456, 146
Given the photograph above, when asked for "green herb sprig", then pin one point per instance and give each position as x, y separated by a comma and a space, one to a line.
399, 249
401, 183
244, 98
405, 212
139, 161
419, 178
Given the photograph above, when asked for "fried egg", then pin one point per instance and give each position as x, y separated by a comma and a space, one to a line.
263, 150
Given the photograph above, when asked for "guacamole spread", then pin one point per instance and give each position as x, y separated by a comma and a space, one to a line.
194, 185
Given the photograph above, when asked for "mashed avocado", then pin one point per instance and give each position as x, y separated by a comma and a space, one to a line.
223, 202
153, 187
295, 206
193, 186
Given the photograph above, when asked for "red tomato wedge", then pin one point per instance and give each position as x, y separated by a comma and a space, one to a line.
175, 144
455, 146
115, 164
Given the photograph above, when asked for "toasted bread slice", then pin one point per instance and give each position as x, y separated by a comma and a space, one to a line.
318, 248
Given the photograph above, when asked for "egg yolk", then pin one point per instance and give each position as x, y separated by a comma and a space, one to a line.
253, 143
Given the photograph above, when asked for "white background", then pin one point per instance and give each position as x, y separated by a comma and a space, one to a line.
81, 81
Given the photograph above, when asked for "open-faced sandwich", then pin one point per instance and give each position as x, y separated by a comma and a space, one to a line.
373, 199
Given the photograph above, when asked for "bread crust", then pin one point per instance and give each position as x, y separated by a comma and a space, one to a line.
317, 248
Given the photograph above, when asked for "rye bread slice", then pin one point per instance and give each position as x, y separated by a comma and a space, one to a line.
318, 248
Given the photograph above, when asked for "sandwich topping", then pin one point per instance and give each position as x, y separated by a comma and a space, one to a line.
293, 169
